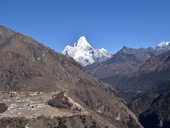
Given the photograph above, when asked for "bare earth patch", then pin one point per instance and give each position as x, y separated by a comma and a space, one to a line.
35, 104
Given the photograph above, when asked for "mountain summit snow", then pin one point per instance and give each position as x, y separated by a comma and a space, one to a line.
85, 54
82, 43
164, 44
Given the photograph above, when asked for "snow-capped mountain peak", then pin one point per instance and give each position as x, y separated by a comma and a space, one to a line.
164, 44
82, 42
85, 54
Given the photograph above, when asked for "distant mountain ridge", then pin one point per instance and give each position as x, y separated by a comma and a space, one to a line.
85, 54
142, 79
125, 62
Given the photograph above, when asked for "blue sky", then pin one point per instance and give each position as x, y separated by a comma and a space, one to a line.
106, 23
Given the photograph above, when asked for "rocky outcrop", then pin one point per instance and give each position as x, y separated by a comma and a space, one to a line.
60, 101
3, 107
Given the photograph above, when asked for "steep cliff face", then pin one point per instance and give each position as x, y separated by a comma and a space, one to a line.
32, 79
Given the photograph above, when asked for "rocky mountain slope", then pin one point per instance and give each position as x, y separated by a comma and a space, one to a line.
124, 63
142, 79
83, 53
152, 106
158, 114
150, 78
42, 88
